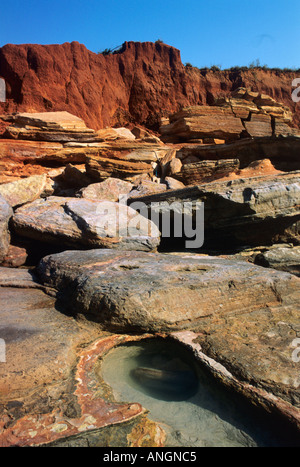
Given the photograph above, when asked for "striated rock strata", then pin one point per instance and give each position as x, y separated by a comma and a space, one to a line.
246, 211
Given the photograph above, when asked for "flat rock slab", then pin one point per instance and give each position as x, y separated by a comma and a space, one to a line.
54, 120
49, 389
157, 292
86, 223
48, 126
259, 348
245, 317
23, 151
40, 341
20, 278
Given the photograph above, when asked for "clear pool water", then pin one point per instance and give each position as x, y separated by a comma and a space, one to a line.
190, 405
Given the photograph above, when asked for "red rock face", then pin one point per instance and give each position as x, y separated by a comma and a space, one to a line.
137, 85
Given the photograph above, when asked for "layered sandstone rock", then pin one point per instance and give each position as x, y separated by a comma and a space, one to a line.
199, 122
107, 165
259, 125
125, 161
246, 103
85, 223
206, 171
243, 211
230, 118
48, 126
209, 171
25, 151
283, 152
123, 158
60, 121
19, 159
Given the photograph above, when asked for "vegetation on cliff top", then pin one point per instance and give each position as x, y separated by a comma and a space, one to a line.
255, 65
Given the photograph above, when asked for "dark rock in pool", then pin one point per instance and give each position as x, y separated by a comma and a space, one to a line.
181, 383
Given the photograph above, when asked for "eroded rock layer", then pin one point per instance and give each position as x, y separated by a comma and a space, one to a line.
140, 83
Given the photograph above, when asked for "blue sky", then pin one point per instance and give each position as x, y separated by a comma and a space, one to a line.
210, 32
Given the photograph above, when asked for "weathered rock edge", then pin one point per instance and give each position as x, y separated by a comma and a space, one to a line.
256, 395
96, 412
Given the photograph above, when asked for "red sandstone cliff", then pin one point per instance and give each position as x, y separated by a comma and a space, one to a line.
140, 83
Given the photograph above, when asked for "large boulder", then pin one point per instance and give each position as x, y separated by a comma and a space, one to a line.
26, 190
200, 122
157, 292
146, 188
112, 134
85, 223
15, 257
123, 160
206, 171
283, 258
246, 211
245, 317
110, 189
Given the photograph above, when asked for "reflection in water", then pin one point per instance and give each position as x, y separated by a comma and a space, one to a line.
192, 407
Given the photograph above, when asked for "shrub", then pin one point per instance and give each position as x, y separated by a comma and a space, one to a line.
215, 68
105, 52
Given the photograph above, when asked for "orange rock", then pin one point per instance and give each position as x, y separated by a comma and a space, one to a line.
259, 125
15, 257
202, 122
138, 84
